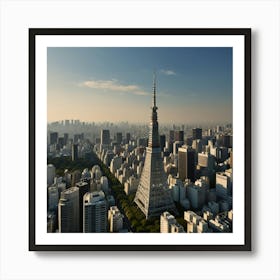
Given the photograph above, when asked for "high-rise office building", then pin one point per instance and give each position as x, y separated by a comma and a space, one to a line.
52, 198
206, 160
50, 174
75, 177
74, 152
94, 212
197, 133
66, 137
179, 135
76, 138
223, 184
153, 196
53, 138
105, 137
171, 136
128, 137
119, 137
186, 163
83, 189
60, 142
68, 210
227, 141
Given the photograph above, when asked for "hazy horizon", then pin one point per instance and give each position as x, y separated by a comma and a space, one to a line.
194, 85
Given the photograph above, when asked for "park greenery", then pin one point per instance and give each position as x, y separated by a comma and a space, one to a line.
62, 163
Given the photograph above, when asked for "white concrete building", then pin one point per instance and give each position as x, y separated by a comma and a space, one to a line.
166, 220
115, 219
68, 210
223, 185
50, 174
130, 186
104, 184
206, 160
195, 223
94, 212
168, 224
115, 164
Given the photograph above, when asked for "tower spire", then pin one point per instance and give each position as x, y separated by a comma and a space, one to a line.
154, 89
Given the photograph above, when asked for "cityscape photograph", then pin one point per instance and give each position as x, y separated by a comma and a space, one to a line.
139, 140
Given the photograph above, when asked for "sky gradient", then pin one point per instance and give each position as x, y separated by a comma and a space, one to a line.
194, 85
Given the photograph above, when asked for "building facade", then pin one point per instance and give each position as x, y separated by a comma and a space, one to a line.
94, 212
68, 210
105, 137
115, 219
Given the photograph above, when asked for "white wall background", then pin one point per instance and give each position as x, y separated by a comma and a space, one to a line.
16, 262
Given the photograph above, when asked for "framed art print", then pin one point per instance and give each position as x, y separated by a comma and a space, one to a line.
140, 139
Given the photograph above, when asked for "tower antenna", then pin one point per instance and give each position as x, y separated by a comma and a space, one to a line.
154, 89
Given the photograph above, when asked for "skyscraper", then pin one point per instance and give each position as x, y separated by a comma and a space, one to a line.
105, 137
197, 133
83, 187
94, 212
186, 163
68, 210
179, 135
171, 136
50, 174
128, 137
74, 152
119, 137
52, 198
53, 138
153, 196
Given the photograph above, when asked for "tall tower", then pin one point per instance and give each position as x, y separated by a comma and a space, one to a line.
197, 133
105, 137
50, 174
68, 210
153, 196
74, 152
186, 163
94, 212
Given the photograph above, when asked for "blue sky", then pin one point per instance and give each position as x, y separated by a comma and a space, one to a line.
194, 85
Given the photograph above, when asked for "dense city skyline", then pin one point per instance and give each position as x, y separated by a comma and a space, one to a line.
115, 84
126, 183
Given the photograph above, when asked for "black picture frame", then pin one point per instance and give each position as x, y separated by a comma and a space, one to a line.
245, 32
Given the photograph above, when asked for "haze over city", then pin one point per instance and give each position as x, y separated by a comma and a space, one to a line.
194, 85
